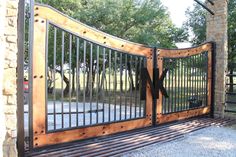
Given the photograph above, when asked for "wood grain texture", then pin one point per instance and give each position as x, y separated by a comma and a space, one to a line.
39, 78
87, 32
184, 52
183, 115
89, 132
159, 101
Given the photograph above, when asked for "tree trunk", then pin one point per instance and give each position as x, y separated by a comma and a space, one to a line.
66, 89
73, 81
130, 76
66, 80
87, 91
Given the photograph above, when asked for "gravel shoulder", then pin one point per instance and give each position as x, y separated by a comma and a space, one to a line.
208, 142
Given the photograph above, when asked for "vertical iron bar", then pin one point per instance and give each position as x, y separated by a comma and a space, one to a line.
84, 71
136, 85
173, 88
109, 86
202, 78
70, 49
187, 66
91, 81
165, 85
54, 75
197, 77
125, 86
206, 81
155, 77
144, 104
181, 82
103, 83
115, 85
175, 91
169, 90
192, 77
202, 74
62, 75
121, 71
140, 69
131, 86
178, 86
184, 79
98, 78
77, 79
31, 40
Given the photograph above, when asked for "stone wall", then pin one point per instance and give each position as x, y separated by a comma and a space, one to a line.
217, 32
8, 44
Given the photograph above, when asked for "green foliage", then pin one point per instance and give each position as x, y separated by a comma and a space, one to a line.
142, 21
196, 23
232, 30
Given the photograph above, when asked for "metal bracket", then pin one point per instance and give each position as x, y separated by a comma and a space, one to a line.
205, 7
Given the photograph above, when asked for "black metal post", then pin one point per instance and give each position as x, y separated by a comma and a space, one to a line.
20, 77
30, 106
155, 82
213, 79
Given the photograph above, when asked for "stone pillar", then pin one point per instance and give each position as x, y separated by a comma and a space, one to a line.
8, 63
2, 50
217, 32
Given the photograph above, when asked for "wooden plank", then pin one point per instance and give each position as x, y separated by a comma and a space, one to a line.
149, 99
88, 132
90, 33
39, 78
184, 52
159, 101
117, 137
183, 115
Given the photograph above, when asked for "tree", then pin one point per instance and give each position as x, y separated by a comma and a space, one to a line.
197, 24
146, 22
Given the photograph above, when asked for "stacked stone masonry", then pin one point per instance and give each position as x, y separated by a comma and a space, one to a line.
217, 32
10, 9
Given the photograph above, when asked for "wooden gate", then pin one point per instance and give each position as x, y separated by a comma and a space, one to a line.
188, 82
86, 83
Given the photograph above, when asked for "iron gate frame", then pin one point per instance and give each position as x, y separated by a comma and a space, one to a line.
41, 16
187, 52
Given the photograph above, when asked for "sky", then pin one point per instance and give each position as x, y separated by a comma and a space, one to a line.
177, 9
